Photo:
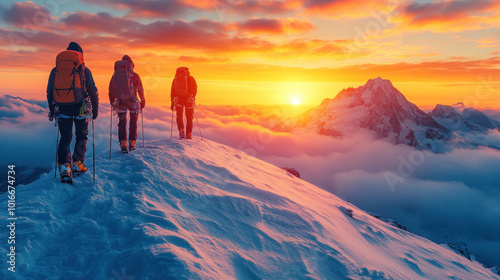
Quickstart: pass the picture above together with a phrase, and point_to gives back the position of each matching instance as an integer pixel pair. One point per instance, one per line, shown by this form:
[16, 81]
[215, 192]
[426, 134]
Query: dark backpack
[69, 79]
[181, 82]
[123, 80]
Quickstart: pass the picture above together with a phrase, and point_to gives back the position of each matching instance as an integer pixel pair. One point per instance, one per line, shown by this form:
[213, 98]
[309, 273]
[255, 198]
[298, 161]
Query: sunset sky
[262, 51]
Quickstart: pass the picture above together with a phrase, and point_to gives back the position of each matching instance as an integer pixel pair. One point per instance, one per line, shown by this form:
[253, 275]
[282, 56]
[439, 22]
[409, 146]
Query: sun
[295, 101]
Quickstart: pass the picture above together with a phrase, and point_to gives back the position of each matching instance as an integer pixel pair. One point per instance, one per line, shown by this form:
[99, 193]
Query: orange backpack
[69, 80]
[181, 81]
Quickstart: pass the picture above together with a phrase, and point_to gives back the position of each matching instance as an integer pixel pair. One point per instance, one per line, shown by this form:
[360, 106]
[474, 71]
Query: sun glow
[295, 101]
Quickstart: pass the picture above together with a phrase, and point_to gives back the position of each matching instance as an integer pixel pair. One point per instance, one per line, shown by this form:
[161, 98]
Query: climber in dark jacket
[131, 105]
[66, 115]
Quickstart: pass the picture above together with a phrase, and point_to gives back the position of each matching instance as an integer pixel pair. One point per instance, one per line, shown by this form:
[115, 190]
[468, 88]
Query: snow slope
[201, 210]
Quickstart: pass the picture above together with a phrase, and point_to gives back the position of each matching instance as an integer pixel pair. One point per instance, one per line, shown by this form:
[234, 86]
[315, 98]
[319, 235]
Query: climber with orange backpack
[182, 95]
[73, 98]
[126, 94]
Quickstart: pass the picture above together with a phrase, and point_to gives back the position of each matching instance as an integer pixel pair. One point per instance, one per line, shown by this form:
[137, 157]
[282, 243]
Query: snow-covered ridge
[201, 210]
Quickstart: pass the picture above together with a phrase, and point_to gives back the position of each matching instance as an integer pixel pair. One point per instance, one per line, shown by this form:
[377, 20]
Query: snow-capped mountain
[471, 127]
[378, 107]
[466, 120]
[382, 110]
[201, 210]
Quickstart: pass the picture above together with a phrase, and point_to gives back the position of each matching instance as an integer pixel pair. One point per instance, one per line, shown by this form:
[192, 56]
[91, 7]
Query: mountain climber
[73, 98]
[183, 94]
[126, 94]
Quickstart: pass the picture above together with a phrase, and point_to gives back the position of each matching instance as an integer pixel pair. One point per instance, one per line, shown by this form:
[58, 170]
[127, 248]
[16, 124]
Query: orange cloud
[215, 39]
[27, 14]
[274, 26]
[174, 8]
[346, 8]
[201, 4]
[196, 59]
[154, 9]
[223, 49]
[96, 23]
[247, 7]
[449, 16]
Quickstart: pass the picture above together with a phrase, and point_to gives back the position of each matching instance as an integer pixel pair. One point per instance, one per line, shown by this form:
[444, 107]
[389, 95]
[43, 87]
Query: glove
[143, 104]
[51, 112]
[115, 105]
[95, 113]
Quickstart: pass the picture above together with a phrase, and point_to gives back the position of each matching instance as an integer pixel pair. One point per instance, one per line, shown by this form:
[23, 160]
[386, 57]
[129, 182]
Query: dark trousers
[189, 118]
[81, 133]
[123, 107]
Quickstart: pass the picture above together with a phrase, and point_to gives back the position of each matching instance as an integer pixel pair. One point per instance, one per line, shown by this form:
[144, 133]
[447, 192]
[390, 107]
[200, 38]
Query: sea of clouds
[447, 197]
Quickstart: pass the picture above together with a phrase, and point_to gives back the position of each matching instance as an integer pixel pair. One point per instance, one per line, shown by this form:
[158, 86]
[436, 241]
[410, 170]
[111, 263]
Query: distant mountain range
[380, 108]
[467, 120]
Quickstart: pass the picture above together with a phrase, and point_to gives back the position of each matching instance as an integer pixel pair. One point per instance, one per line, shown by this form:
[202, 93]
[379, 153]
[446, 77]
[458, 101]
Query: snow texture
[201, 210]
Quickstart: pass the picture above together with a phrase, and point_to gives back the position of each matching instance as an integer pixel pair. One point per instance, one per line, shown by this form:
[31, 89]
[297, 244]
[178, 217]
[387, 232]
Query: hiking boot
[182, 135]
[65, 168]
[78, 167]
[189, 135]
[124, 146]
[131, 145]
[65, 173]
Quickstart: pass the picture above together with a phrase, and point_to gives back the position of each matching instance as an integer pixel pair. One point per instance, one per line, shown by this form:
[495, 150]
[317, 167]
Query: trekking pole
[172, 125]
[57, 151]
[110, 130]
[198, 125]
[93, 150]
[142, 117]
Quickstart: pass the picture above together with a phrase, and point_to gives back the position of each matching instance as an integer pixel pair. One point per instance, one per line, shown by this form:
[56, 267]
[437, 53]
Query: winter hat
[73, 46]
[127, 58]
